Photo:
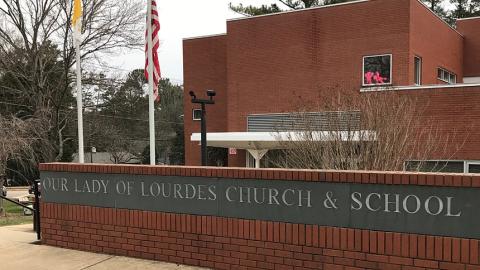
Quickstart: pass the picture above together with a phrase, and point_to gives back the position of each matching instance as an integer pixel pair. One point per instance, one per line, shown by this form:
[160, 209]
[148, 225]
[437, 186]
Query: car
[4, 191]
[31, 188]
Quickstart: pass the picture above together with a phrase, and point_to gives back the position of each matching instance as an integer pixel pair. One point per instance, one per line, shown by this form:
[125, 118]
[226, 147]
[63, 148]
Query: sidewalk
[17, 253]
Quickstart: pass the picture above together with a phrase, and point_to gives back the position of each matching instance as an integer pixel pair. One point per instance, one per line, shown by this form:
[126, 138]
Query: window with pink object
[377, 70]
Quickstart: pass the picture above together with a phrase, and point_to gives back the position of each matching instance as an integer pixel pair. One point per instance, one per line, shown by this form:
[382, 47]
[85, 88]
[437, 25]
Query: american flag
[155, 24]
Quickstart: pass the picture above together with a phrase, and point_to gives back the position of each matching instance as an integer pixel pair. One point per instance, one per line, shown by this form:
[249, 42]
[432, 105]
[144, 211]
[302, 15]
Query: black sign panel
[445, 211]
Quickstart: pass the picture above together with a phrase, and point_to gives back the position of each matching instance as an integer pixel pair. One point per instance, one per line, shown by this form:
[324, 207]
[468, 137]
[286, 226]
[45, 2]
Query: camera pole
[203, 119]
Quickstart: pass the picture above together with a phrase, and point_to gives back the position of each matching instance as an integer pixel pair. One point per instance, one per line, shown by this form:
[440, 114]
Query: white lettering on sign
[178, 191]
[124, 188]
[91, 186]
[270, 196]
[382, 203]
[410, 204]
[55, 184]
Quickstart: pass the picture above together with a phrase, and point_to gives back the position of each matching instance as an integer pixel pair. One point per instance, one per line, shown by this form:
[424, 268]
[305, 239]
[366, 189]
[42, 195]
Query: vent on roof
[338, 120]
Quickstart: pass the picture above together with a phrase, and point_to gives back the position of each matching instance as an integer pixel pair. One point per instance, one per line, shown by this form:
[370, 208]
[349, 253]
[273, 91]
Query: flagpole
[81, 157]
[151, 117]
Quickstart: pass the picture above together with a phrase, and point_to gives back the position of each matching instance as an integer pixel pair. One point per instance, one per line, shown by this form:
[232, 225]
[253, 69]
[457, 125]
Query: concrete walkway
[18, 252]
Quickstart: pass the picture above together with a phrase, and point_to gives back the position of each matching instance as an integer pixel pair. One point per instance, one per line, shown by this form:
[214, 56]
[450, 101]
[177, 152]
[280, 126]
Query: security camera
[211, 93]
[192, 94]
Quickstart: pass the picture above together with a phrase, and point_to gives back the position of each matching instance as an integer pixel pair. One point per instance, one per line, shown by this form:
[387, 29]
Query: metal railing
[35, 210]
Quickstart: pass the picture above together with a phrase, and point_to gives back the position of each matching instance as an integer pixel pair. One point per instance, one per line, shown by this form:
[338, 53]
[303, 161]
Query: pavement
[18, 251]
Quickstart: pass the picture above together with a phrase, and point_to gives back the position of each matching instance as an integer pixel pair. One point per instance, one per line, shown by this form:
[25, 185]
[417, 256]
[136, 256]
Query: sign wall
[445, 211]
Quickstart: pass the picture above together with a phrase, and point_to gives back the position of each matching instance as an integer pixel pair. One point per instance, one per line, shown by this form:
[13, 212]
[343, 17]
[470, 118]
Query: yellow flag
[77, 19]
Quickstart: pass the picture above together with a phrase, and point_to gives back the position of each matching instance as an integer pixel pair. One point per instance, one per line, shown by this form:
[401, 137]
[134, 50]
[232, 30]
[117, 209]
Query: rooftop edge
[469, 18]
[297, 10]
[205, 36]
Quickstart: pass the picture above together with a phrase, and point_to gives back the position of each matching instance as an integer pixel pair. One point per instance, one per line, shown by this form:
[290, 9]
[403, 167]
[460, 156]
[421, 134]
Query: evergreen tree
[465, 9]
[274, 8]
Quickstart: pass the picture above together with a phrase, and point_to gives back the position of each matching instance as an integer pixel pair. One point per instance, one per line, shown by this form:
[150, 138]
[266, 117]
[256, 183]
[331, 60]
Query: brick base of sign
[228, 243]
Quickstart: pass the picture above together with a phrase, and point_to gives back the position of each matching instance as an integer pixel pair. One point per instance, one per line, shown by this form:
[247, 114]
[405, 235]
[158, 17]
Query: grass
[14, 215]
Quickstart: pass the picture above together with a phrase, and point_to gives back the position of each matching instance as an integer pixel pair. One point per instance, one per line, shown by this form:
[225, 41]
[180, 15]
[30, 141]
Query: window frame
[446, 73]
[193, 115]
[363, 70]
[468, 163]
[419, 71]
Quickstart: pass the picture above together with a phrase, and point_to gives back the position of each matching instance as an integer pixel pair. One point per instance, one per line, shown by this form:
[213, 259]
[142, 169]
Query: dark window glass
[217, 157]
[474, 168]
[435, 166]
[377, 70]
[453, 78]
[418, 70]
[447, 76]
[197, 114]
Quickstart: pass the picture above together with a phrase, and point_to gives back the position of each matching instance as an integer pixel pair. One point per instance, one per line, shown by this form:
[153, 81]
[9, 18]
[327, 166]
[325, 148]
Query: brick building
[266, 66]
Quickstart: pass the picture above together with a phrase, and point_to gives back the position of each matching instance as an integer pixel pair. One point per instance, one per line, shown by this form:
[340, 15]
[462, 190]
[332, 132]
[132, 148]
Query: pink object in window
[368, 77]
[378, 78]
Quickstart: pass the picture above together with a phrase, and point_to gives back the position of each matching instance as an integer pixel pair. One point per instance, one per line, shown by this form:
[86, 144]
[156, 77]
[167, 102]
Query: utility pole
[203, 120]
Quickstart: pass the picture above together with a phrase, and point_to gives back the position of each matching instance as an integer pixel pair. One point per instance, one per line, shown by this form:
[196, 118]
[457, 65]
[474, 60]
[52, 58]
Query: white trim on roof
[469, 18]
[335, 5]
[321, 7]
[206, 36]
[297, 10]
[422, 87]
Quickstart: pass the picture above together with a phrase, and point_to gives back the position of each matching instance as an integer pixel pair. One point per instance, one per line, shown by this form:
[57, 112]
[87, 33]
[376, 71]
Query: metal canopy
[278, 140]
[258, 143]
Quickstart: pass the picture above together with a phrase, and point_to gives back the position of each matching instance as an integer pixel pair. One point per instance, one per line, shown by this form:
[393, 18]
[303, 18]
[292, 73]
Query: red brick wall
[471, 30]
[277, 63]
[436, 43]
[204, 68]
[229, 243]
[283, 63]
[455, 114]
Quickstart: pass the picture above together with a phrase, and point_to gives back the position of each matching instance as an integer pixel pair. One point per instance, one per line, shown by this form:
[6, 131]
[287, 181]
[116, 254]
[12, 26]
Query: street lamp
[203, 120]
[92, 150]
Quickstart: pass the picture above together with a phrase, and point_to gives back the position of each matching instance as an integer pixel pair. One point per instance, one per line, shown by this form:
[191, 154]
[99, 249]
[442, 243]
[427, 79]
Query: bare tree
[386, 132]
[23, 141]
[39, 31]
[121, 151]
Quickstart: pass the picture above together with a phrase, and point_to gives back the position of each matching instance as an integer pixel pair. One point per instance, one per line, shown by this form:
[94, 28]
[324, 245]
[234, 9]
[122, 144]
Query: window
[418, 70]
[435, 166]
[450, 166]
[446, 76]
[473, 167]
[377, 70]
[197, 114]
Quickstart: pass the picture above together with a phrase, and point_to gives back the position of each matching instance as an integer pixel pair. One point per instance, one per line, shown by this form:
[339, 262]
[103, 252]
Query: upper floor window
[418, 70]
[377, 70]
[446, 76]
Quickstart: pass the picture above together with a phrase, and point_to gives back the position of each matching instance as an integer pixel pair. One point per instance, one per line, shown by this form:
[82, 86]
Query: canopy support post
[257, 155]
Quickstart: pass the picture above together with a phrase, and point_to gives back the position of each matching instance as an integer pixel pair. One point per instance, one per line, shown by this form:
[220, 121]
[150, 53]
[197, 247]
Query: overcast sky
[181, 19]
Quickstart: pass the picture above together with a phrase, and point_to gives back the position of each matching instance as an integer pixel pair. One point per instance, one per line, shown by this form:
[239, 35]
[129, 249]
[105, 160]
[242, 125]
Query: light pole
[203, 120]
[92, 150]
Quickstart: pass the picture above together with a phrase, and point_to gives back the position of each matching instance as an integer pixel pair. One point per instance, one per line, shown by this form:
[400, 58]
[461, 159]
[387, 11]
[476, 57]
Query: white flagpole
[81, 156]
[151, 117]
